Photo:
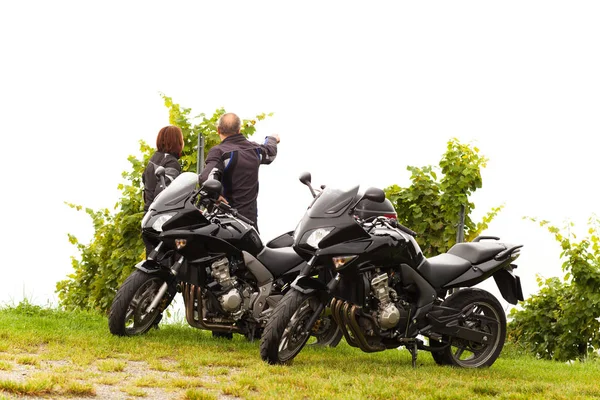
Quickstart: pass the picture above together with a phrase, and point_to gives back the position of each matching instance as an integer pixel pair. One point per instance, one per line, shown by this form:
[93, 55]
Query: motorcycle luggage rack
[480, 238]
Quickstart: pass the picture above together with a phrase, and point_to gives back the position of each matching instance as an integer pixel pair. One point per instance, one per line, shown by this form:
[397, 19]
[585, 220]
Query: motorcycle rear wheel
[463, 353]
[128, 316]
[284, 336]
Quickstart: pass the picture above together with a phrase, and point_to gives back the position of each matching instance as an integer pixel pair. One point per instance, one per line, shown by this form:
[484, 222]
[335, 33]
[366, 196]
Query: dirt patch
[136, 379]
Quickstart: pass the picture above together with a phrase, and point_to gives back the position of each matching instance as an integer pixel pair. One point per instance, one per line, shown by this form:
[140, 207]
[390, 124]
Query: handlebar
[228, 209]
[393, 223]
[223, 207]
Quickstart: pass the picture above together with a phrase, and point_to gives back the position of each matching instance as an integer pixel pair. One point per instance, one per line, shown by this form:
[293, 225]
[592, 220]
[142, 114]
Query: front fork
[163, 289]
[313, 319]
[305, 284]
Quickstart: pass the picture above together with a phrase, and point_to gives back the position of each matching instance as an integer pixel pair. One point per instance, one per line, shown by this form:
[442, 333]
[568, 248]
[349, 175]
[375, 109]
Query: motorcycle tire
[127, 315]
[466, 354]
[282, 338]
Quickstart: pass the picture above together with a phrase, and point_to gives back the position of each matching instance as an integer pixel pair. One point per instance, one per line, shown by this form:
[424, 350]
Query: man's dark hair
[229, 124]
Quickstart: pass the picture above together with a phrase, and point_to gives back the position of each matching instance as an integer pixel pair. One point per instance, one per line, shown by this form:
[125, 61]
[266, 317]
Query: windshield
[177, 191]
[332, 203]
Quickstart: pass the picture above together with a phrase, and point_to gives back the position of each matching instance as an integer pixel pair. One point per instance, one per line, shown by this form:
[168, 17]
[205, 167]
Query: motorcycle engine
[388, 315]
[230, 298]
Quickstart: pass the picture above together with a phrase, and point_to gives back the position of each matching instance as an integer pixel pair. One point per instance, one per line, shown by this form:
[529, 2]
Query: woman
[169, 144]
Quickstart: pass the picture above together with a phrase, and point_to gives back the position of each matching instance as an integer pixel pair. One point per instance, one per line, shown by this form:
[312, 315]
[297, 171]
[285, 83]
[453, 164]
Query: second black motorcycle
[380, 289]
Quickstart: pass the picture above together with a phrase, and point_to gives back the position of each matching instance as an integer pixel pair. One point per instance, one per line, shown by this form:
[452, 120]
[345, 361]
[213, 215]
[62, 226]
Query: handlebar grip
[246, 220]
[404, 229]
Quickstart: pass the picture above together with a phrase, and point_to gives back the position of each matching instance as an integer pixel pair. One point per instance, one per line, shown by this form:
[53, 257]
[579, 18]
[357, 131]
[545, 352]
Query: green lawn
[46, 353]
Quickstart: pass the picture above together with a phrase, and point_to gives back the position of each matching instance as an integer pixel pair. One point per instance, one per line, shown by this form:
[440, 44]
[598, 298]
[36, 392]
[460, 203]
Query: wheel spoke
[459, 352]
[129, 314]
[284, 341]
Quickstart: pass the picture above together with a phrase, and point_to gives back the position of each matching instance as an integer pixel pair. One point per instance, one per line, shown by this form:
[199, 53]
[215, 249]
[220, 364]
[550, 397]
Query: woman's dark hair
[170, 140]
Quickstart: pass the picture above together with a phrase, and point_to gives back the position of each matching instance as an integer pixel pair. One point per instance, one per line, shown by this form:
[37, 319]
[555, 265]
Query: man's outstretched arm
[268, 149]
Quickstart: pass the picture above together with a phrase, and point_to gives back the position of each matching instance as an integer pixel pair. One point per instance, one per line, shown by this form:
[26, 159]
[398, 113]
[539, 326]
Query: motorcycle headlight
[146, 218]
[316, 236]
[160, 221]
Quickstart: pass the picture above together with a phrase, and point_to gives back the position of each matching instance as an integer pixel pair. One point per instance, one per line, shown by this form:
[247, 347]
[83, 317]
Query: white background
[359, 90]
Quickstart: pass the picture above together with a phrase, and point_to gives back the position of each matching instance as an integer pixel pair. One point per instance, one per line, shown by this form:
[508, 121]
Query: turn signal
[180, 243]
[340, 261]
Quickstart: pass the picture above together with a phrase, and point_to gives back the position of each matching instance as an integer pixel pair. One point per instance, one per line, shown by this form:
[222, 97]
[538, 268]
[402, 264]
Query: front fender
[307, 284]
[149, 267]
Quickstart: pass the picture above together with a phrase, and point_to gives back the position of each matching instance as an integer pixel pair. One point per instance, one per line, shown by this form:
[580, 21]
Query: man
[235, 162]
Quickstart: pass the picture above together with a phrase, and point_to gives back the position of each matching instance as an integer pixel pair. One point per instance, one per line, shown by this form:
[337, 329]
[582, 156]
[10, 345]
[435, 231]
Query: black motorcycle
[230, 281]
[380, 289]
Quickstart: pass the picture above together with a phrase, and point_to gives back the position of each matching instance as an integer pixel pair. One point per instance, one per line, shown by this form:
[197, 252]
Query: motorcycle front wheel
[284, 335]
[128, 313]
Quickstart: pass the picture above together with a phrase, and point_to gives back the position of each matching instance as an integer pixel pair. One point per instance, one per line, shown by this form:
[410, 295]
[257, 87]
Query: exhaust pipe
[192, 295]
[345, 316]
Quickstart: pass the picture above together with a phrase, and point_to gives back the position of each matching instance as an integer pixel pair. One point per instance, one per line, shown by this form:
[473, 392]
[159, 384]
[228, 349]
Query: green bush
[562, 321]
[431, 206]
[116, 245]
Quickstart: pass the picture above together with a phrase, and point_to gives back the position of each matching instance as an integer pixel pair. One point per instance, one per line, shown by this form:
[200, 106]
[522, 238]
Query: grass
[198, 395]
[111, 366]
[28, 388]
[73, 355]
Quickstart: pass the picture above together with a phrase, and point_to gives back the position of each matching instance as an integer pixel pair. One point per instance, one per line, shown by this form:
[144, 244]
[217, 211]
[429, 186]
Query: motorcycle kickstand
[412, 347]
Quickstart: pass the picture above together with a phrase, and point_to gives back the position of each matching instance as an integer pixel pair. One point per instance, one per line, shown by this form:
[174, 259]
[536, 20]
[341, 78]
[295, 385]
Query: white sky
[359, 91]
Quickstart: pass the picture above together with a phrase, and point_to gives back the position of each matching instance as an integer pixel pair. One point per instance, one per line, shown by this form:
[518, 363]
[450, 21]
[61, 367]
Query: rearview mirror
[305, 178]
[212, 186]
[159, 171]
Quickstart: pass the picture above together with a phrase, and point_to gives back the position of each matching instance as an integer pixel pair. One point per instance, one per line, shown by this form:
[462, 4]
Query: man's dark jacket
[235, 162]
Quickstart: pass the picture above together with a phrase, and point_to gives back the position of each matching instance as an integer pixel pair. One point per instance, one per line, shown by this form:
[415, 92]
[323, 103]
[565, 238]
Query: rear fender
[509, 286]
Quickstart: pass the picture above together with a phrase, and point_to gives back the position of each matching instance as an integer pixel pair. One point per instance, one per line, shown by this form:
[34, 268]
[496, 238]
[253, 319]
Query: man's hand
[222, 199]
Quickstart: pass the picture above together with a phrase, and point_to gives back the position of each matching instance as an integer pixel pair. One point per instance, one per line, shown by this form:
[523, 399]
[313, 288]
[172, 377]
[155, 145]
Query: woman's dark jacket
[152, 186]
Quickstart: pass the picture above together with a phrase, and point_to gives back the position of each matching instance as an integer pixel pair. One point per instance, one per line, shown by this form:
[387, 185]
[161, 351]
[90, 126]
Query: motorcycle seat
[279, 261]
[443, 268]
[476, 253]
